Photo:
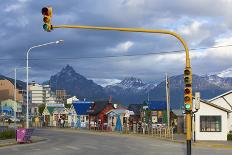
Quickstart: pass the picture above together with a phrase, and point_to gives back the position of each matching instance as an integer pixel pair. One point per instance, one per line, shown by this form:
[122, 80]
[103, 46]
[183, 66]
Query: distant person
[37, 122]
[9, 121]
[59, 123]
[62, 123]
[72, 124]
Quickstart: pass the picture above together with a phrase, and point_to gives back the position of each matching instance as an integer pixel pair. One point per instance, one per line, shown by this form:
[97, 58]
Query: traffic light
[188, 89]
[47, 16]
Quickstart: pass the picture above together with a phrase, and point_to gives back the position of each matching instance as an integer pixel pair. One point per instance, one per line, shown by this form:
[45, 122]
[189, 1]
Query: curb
[33, 140]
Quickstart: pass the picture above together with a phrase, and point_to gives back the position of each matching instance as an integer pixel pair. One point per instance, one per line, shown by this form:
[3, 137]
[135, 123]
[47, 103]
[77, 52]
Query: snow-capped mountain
[131, 84]
[106, 82]
[225, 73]
[134, 90]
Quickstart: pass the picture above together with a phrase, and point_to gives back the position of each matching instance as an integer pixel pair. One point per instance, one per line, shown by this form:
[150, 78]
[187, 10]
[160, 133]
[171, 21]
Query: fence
[160, 131]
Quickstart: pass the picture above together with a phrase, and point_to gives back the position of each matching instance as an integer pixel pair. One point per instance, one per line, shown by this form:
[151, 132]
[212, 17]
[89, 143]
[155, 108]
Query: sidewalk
[219, 144]
[178, 138]
[8, 142]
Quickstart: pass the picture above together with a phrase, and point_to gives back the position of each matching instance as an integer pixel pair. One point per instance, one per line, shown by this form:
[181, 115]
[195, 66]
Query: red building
[97, 115]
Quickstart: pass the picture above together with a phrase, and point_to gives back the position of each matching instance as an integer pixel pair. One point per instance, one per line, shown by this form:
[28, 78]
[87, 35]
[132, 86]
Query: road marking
[72, 147]
[36, 149]
[14, 149]
[57, 149]
[91, 147]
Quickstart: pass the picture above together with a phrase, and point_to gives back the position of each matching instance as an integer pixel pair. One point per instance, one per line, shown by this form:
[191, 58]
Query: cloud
[122, 47]
[199, 22]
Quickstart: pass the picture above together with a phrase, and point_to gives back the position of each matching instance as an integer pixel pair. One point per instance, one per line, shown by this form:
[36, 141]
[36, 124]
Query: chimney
[110, 100]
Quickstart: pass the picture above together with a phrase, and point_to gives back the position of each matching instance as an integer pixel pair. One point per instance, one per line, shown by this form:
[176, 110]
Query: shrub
[7, 134]
[229, 136]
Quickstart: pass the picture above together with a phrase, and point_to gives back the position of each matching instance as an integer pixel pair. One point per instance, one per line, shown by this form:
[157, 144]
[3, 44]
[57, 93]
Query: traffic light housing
[188, 89]
[47, 16]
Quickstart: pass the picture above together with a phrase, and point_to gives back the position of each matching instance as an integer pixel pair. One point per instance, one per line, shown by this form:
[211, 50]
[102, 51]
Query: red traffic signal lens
[186, 72]
[45, 11]
[187, 91]
[188, 85]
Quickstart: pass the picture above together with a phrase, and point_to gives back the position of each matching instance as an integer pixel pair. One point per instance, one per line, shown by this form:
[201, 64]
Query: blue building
[155, 112]
[81, 108]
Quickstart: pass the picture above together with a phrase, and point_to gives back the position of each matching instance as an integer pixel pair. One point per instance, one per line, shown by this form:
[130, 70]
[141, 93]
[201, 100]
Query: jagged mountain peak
[132, 82]
[75, 84]
[67, 69]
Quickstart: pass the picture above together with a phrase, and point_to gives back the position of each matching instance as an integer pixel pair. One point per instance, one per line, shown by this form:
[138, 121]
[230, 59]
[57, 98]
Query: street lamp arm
[27, 67]
[53, 42]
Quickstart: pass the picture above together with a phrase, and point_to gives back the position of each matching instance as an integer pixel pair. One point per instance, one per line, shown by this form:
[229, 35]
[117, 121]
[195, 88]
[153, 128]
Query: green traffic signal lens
[186, 79]
[187, 106]
[46, 27]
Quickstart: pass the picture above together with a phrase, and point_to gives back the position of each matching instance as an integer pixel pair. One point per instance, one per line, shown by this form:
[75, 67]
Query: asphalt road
[75, 143]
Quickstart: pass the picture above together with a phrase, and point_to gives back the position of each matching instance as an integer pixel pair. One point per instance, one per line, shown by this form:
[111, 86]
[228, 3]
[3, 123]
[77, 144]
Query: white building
[211, 122]
[225, 101]
[72, 99]
[40, 94]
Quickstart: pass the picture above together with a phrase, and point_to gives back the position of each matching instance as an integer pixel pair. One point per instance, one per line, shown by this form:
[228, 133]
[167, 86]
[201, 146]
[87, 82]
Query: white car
[12, 119]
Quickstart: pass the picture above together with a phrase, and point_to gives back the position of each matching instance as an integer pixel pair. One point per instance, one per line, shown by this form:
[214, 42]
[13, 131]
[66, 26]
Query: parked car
[12, 119]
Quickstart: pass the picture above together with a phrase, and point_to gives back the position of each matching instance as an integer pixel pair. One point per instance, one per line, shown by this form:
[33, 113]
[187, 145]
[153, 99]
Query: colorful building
[81, 109]
[98, 114]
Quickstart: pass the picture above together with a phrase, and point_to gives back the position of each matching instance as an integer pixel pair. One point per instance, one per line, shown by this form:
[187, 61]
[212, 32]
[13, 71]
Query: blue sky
[201, 23]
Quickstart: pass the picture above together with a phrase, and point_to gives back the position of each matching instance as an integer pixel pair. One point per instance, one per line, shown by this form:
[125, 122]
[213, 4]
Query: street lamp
[49, 43]
[15, 80]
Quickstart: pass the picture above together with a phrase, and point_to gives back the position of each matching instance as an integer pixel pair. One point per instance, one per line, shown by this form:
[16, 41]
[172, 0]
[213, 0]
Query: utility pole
[168, 99]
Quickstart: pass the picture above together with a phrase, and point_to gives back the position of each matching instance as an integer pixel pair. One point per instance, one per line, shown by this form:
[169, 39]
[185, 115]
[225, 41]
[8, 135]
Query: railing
[159, 131]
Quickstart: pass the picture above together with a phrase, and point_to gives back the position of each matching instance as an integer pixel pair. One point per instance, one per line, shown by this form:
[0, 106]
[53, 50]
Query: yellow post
[188, 113]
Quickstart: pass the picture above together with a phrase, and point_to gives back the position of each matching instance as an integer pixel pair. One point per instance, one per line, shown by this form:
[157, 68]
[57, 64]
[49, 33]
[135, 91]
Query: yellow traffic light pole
[133, 30]
[188, 113]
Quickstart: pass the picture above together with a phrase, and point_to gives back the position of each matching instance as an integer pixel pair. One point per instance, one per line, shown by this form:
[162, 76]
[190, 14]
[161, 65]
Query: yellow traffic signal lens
[46, 20]
[187, 99]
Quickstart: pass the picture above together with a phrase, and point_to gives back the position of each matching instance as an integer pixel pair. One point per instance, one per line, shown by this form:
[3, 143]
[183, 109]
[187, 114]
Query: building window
[210, 123]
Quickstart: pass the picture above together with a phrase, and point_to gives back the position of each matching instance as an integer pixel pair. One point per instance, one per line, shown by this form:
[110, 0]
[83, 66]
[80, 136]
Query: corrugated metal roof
[81, 108]
[156, 105]
[136, 108]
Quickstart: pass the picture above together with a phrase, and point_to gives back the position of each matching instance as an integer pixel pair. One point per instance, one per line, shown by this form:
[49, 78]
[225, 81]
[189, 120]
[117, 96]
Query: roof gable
[136, 108]
[98, 106]
[215, 106]
[82, 108]
[226, 93]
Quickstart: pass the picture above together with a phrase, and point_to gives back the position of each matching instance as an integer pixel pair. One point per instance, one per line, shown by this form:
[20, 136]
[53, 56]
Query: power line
[117, 56]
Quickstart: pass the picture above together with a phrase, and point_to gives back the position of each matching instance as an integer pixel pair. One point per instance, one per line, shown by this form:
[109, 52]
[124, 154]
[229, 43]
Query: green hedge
[7, 134]
[229, 136]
